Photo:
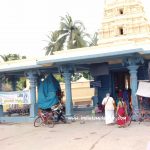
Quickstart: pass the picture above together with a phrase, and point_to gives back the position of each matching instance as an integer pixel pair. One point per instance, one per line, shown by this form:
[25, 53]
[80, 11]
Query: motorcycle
[58, 113]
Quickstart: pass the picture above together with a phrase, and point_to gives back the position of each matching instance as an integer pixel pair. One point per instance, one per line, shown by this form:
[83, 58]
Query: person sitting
[99, 109]
[122, 116]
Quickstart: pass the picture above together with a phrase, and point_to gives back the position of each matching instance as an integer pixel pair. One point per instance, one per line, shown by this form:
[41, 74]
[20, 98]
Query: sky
[25, 24]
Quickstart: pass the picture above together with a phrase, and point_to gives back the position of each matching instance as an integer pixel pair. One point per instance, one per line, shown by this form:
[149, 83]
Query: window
[120, 11]
[121, 31]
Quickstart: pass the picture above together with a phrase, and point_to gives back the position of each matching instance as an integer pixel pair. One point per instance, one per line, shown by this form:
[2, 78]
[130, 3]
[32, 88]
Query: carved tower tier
[124, 22]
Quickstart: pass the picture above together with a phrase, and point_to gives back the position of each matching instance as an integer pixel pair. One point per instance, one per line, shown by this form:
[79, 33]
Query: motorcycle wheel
[63, 119]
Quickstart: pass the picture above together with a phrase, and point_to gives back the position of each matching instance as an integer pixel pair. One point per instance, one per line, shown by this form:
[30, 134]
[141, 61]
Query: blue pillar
[32, 79]
[67, 77]
[1, 110]
[133, 85]
[132, 64]
[1, 106]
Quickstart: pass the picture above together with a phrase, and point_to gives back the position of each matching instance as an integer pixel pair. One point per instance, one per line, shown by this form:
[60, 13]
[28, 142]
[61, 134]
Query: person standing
[122, 116]
[109, 103]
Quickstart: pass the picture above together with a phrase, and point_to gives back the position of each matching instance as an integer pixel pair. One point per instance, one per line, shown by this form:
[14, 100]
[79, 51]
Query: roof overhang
[18, 65]
[89, 54]
[76, 56]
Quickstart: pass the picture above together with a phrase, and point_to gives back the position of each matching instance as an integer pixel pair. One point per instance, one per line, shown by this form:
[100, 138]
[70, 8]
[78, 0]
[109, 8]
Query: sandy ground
[92, 135]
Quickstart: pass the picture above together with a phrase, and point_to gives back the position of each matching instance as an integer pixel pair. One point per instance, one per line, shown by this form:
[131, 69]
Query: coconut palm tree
[94, 40]
[72, 32]
[54, 44]
[70, 35]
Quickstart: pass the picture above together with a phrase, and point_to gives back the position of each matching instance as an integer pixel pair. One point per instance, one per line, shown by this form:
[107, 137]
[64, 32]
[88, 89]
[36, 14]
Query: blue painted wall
[143, 73]
[105, 86]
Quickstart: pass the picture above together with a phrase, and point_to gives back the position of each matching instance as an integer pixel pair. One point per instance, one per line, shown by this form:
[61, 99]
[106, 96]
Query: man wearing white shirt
[109, 109]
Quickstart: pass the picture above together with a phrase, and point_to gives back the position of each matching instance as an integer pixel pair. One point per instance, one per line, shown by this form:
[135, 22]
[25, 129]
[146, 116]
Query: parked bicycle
[52, 117]
[141, 115]
[44, 119]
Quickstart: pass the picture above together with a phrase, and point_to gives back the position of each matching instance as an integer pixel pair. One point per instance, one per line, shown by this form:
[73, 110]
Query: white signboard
[16, 97]
[143, 89]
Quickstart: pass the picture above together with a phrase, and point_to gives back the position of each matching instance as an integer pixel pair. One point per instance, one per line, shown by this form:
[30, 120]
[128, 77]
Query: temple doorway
[121, 80]
[121, 86]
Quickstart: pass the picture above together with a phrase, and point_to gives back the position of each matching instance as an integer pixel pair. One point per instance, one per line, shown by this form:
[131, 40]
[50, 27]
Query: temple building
[117, 64]
[124, 22]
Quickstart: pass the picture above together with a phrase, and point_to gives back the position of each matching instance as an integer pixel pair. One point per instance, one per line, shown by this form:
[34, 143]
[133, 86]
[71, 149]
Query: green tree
[55, 44]
[8, 79]
[59, 78]
[73, 32]
[94, 40]
[11, 57]
[71, 35]
[21, 83]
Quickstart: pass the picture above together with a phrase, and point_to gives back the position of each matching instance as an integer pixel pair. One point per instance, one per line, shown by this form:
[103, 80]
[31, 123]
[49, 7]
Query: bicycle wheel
[50, 123]
[38, 122]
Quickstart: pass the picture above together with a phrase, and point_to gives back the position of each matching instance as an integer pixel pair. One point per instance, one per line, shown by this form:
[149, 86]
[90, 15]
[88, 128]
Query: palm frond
[70, 35]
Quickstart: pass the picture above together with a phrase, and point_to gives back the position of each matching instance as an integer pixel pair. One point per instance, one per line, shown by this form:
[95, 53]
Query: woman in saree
[122, 116]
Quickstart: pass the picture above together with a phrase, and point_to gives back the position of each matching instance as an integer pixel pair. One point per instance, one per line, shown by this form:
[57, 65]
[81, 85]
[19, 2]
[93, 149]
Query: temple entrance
[121, 80]
[121, 86]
